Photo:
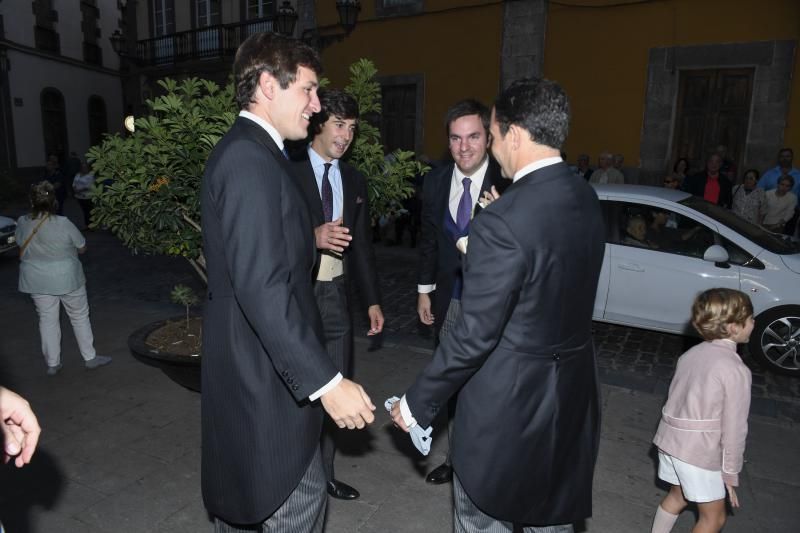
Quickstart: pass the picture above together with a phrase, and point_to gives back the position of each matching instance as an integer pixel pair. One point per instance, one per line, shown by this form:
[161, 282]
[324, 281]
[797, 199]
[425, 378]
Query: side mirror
[716, 254]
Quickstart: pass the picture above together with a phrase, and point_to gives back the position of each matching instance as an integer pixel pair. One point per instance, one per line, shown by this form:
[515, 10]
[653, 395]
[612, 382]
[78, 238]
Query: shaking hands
[348, 405]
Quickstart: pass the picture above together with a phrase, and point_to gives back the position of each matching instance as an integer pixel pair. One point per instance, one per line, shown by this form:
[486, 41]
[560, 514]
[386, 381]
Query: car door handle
[633, 267]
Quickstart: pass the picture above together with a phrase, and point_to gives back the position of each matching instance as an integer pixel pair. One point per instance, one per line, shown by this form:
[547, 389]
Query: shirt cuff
[328, 387]
[405, 412]
[425, 289]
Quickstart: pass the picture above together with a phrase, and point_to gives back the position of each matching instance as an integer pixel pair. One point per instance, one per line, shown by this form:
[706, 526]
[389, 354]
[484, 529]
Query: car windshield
[775, 243]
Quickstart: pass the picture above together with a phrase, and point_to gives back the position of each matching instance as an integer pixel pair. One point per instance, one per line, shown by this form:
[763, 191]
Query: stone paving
[629, 357]
[120, 449]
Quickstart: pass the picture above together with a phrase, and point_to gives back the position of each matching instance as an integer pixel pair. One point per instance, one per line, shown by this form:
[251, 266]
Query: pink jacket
[704, 422]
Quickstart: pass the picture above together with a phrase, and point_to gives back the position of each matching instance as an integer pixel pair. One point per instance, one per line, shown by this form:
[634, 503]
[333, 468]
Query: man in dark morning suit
[527, 421]
[337, 196]
[264, 361]
[443, 195]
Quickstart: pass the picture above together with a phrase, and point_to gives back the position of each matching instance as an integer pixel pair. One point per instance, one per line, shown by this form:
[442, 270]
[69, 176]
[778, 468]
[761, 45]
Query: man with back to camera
[264, 361]
[520, 355]
[337, 196]
[447, 207]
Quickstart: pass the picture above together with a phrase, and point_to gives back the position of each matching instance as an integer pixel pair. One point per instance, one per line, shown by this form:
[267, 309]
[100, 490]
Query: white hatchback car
[650, 278]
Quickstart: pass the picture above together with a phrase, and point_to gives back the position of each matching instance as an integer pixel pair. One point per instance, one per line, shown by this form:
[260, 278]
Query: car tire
[775, 341]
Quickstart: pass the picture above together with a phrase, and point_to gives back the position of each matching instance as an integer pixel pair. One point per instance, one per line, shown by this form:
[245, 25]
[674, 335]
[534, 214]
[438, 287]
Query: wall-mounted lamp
[348, 17]
[285, 19]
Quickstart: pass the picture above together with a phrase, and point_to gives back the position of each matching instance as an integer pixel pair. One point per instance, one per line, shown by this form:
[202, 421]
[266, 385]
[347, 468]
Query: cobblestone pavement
[629, 357]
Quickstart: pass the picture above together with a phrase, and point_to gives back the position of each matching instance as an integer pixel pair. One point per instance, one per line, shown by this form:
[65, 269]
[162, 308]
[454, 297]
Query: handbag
[28, 240]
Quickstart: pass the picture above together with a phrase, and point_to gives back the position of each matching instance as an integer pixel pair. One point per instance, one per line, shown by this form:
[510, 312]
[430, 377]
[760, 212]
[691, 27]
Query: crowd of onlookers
[769, 199]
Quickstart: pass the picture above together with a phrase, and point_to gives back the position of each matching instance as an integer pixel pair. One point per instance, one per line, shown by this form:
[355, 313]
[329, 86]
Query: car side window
[659, 229]
[738, 256]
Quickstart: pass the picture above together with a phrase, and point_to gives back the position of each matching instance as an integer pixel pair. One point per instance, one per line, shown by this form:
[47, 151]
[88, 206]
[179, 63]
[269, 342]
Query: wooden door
[713, 109]
[399, 120]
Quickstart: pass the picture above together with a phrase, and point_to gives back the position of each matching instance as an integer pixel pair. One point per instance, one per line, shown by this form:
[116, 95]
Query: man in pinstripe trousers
[264, 359]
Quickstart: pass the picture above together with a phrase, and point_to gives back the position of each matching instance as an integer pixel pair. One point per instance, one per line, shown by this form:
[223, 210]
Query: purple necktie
[464, 206]
[327, 195]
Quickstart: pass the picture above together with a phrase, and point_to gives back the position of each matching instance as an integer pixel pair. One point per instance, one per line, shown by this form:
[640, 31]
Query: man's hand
[348, 405]
[489, 196]
[732, 496]
[332, 236]
[375, 320]
[424, 308]
[20, 428]
[397, 417]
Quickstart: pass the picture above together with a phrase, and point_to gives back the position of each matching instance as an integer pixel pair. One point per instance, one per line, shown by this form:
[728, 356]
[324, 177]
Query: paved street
[120, 449]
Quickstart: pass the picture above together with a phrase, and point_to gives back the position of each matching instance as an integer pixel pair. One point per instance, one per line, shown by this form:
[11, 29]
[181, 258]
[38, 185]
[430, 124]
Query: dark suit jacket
[439, 260]
[359, 257]
[696, 185]
[527, 419]
[262, 349]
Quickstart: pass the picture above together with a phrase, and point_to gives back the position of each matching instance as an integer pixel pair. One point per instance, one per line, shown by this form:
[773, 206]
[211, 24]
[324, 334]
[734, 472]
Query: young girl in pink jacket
[701, 436]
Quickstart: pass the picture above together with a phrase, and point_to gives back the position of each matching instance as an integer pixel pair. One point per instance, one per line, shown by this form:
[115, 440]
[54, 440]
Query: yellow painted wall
[599, 54]
[455, 44]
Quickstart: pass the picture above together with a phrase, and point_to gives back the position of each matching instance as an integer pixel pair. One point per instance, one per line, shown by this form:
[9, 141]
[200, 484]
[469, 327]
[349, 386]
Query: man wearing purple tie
[450, 194]
[520, 355]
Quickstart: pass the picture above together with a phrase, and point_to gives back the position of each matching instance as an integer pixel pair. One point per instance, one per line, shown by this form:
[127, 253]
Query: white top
[82, 185]
[779, 208]
[50, 264]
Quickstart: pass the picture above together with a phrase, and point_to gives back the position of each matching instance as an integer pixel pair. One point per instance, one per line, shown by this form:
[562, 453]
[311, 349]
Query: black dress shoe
[441, 474]
[342, 491]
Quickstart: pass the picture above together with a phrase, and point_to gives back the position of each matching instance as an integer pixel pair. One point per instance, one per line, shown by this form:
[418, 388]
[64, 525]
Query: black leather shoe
[342, 491]
[441, 474]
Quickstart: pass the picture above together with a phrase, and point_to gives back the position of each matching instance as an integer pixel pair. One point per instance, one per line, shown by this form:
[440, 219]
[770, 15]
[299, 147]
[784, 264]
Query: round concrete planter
[182, 369]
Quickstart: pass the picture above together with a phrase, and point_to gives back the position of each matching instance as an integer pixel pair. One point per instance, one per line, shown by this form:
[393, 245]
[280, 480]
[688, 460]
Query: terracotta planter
[182, 369]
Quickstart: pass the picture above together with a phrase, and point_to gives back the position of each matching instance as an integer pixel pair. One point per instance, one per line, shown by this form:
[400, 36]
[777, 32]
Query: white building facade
[60, 88]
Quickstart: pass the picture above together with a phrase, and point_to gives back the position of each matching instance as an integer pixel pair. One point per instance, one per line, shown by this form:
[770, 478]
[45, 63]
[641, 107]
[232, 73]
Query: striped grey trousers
[469, 519]
[302, 512]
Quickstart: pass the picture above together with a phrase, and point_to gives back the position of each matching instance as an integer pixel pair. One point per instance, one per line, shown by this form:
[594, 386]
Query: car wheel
[775, 341]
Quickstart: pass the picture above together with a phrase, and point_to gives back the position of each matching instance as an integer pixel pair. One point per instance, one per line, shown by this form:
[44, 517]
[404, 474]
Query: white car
[649, 279]
[7, 229]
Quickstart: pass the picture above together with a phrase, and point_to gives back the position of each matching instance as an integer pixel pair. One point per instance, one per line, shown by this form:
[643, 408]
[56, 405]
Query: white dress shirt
[456, 190]
[334, 177]
[279, 141]
[536, 165]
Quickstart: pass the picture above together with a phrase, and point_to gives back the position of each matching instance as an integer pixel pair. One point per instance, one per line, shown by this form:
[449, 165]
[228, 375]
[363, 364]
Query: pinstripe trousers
[302, 512]
[331, 299]
[469, 519]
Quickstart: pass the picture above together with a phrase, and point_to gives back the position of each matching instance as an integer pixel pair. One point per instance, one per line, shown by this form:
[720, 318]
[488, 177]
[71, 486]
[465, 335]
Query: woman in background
[52, 274]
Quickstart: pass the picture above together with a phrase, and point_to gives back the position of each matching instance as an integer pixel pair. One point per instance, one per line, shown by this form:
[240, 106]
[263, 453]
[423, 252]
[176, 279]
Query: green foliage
[184, 295]
[149, 181]
[388, 175]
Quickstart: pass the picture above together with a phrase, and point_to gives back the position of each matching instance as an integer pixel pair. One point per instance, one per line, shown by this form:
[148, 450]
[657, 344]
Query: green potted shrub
[148, 181]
